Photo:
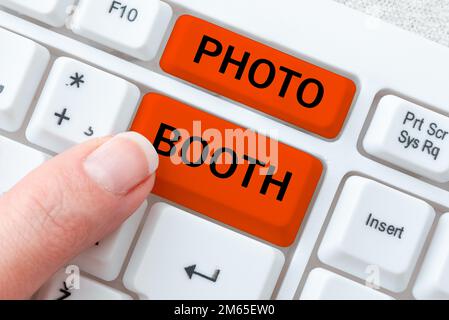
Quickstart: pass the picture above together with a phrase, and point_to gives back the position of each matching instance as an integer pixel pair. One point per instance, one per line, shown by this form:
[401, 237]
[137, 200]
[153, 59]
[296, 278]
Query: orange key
[230, 174]
[259, 76]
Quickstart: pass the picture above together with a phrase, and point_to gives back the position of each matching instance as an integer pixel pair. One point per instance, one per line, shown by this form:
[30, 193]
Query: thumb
[68, 204]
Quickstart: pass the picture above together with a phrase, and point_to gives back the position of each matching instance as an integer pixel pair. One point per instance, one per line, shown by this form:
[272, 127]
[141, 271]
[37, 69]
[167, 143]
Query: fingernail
[122, 163]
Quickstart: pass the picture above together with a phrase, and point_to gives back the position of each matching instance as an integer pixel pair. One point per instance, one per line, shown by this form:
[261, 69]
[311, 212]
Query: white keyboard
[357, 204]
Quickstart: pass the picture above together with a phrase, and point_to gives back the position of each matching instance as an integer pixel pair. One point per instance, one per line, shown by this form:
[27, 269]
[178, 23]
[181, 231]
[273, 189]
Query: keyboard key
[71, 286]
[433, 278]
[134, 27]
[16, 161]
[411, 137]
[325, 285]
[80, 102]
[233, 178]
[261, 77]
[105, 259]
[22, 66]
[180, 256]
[52, 12]
[376, 228]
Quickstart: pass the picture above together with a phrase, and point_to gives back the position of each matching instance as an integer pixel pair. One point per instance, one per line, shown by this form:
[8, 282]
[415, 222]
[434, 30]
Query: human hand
[67, 205]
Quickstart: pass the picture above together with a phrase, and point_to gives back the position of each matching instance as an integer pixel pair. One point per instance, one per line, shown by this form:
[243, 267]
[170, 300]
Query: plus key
[62, 116]
[96, 104]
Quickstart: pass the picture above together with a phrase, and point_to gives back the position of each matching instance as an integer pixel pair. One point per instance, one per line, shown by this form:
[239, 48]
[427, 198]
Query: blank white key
[16, 161]
[325, 285]
[181, 256]
[134, 27]
[433, 278]
[105, 259]
[411, 137]
[22, 66]
[69, 285]
[52, 12]
[376, 232]
[80, 102]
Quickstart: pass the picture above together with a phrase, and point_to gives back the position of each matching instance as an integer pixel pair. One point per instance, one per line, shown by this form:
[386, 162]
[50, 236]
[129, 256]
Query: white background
[429, 18]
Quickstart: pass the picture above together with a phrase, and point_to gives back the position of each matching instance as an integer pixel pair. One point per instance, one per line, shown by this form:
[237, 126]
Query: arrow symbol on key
[191, 271]
[2, 87]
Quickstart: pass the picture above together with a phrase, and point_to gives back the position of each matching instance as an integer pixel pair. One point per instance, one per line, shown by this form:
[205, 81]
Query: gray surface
[429, 18]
